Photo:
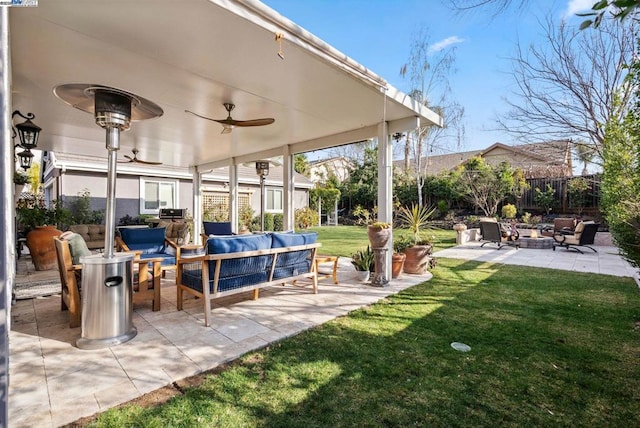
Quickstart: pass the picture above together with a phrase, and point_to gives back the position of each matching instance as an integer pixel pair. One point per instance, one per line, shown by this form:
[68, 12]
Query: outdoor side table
[327, 259]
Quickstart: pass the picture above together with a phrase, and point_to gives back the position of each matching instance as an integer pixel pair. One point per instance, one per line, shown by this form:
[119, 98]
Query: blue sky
[378, 34]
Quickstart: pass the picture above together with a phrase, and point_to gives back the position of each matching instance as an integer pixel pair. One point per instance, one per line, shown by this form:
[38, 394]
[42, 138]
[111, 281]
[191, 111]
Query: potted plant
[363, 261]
[40, 223]
[416, 219]
[19, 179]
[379, 234]
[400, 244]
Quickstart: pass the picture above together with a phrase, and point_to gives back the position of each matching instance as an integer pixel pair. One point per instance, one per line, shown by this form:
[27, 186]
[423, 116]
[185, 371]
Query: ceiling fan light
[226, 128]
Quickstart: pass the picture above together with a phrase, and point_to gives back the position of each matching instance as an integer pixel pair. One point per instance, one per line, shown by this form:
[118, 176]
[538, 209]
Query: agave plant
[363, 260]
[416, 219]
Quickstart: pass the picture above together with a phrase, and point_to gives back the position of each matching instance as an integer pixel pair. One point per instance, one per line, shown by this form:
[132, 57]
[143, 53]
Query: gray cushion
[77, 246]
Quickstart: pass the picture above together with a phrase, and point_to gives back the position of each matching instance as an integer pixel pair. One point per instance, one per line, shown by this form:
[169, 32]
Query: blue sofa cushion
[147, 240]
[167, 259]
[234, 244]
[295, 258]
[217, 228]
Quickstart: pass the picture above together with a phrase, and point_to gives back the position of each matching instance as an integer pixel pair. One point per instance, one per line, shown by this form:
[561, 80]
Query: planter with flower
[379, 234]
[363, 261]
[418, 253]
[40, 223]
[20, 179]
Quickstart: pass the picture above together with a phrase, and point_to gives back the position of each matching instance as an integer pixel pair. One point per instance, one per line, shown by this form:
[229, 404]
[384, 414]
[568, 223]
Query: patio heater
[262, 169]
[107, 279]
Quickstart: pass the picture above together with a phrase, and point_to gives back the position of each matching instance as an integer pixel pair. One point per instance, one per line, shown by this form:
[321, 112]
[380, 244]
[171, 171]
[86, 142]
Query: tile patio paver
[54, 383]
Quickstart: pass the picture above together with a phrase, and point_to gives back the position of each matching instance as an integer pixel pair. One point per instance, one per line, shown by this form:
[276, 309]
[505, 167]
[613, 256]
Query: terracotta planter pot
[397, 264]
[417, 259]
[379, 238]
[42, 248]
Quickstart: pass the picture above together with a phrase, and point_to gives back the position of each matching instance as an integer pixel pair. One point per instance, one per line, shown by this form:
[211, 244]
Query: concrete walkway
[53, 383]
[606, 261]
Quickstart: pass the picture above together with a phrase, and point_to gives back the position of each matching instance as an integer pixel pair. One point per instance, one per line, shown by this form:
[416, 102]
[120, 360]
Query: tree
[566, 85]
[577, 189]
[584, 153]
[428, 70]
[361, 187]
[486, 186]
[300, 164]
[618, 9]
[621, 178]
[546, 199]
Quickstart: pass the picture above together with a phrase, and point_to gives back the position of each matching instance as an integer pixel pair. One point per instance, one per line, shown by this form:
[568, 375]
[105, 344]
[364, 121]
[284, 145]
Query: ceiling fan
[135, 159]
[229, 123]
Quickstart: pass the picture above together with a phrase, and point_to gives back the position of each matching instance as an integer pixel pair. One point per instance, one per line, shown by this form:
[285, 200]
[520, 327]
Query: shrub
[443, 207]
[245, 217]
[268, 221]
[509, 211]
[526, 218]
[278, 222]
[306, 217]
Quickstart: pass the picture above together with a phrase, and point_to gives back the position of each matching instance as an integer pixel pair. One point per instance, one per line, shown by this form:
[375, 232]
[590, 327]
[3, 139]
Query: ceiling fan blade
[200, 116]
[255, 122]
[130, 158]
[148, 162]
[229, 122]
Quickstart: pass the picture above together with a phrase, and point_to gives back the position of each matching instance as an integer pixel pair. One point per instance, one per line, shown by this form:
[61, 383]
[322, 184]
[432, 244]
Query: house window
[274, 200]
[156, 194]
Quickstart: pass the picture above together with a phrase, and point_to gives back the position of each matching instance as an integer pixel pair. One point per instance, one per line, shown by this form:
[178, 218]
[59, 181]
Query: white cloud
[575, 6]
[445, 43]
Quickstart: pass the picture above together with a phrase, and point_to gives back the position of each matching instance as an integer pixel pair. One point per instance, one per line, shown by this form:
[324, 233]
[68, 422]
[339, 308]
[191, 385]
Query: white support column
[385, 185]
[197, 205]
[233, 196]
[288, 188]
[7, 213]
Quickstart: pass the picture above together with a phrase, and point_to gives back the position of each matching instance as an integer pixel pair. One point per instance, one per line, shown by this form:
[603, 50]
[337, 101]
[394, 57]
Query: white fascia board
[421, 110]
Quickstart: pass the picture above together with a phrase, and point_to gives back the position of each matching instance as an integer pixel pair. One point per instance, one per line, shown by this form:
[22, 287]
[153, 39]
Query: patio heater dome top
[120, 106]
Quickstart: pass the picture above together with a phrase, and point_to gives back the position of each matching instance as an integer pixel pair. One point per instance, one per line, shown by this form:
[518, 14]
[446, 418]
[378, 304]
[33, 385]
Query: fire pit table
[541, 242]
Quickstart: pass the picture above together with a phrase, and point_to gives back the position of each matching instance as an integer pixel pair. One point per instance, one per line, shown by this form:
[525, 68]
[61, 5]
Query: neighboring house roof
[546, 159]
[339, 166]
[246, 174]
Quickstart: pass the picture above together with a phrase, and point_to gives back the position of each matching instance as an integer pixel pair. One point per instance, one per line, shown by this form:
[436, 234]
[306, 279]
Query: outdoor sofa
[93, 234]
[240, 263]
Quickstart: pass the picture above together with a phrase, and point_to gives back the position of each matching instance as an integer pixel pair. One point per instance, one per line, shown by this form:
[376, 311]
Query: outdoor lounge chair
[583, 236]
[560, 224]
[149, 243]
[492, 233]
[215, 228]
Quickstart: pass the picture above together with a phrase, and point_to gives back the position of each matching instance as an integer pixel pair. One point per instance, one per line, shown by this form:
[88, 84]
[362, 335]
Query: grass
[346, 240]
[548, 348]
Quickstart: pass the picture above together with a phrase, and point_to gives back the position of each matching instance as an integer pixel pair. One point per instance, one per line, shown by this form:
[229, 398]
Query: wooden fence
[564, 204]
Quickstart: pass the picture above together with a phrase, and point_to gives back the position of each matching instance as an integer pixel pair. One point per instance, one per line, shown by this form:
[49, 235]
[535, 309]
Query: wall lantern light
[27, 131]
[25, 159]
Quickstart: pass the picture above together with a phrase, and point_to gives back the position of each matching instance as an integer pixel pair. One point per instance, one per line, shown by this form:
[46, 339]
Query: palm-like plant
[416, 219]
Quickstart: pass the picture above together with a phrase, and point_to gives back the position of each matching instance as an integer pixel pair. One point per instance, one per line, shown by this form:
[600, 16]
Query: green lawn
[548, 348]
[346, 240]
